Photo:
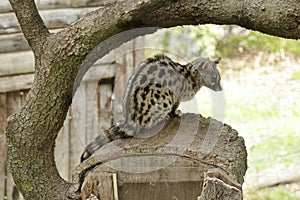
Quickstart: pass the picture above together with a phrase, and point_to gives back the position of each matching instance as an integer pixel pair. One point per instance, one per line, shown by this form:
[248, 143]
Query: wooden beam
[15, 83]
[2, 161]
[16, 42]
[13, 42]
[54, 4]
[99, 71]
[23, 62]
[16, 63]
[54, 19]
[15, 80]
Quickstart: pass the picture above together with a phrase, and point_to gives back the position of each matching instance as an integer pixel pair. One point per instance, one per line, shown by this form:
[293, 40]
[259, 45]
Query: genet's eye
[214, 79]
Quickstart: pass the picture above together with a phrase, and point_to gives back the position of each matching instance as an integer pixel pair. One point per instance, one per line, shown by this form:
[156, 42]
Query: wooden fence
[92, 108]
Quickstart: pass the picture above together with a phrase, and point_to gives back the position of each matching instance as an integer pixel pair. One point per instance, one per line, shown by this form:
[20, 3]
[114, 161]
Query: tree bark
[61, 57]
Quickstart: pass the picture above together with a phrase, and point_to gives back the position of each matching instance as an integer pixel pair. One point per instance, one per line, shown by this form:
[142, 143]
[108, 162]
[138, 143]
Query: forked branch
[31, 22]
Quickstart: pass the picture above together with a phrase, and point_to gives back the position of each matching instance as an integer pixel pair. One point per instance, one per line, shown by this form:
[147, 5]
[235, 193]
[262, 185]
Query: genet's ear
[205, 66]
[217, 60]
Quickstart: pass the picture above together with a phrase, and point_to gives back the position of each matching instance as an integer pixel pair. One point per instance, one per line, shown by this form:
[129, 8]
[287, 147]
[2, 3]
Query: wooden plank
[13, 103]
[104, 104]
[76, 145]
[99, 71]
[139, 51]
[9, 103]
[16, 63]
[160, 168]
[15, 83]
[15, 42]
[23, 94]
[2, 165]
[23, 63]
[3, 117]
[125, 57]
[77, 136]
[129, 56]
[53, 19]
[54, 4]
[108, 58]
[118, 92]
[3, 114]
[78, 111]
[91, 115]
[10, 108]
[62, 149]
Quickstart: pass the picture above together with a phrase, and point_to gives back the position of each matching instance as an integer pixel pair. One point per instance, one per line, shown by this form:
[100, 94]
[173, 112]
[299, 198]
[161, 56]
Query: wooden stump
[185, 160]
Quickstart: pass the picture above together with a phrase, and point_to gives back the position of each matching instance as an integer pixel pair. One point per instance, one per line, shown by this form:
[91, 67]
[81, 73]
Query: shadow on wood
[188, 154]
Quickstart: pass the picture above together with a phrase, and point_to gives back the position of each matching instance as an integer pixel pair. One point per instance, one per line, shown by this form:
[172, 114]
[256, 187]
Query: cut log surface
[171, 163]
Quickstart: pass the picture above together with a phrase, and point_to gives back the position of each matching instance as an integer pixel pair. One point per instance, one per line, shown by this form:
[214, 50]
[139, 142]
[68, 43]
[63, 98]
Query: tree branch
[31, 22]
[272, 17]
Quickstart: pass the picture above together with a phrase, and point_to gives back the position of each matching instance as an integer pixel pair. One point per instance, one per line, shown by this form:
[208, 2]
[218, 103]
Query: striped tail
[109, 135]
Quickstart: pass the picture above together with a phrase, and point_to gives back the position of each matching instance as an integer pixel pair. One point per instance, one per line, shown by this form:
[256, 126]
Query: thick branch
[272, 17]
[30, 21]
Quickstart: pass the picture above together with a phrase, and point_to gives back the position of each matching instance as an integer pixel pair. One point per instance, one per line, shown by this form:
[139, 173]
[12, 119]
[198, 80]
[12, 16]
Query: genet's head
[207, 69]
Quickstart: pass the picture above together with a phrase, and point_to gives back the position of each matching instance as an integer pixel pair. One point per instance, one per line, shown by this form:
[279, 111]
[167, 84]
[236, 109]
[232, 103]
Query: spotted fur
[155, 90]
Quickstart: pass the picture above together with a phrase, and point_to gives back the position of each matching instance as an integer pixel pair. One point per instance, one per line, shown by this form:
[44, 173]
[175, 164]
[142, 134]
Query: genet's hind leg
[175, 112]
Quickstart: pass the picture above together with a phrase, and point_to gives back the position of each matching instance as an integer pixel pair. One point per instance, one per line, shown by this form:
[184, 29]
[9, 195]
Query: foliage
[254, 41]
[296, 76]
[226, 41]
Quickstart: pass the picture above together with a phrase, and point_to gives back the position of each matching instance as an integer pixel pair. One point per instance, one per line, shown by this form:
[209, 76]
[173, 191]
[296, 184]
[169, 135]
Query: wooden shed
[91, 110]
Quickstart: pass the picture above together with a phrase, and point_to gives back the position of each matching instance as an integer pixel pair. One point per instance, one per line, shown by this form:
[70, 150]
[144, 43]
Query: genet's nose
[218, 88]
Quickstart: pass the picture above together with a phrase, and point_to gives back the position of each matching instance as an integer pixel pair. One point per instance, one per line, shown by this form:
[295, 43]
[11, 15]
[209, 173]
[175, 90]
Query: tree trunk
[61, 59]
[189, 153]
